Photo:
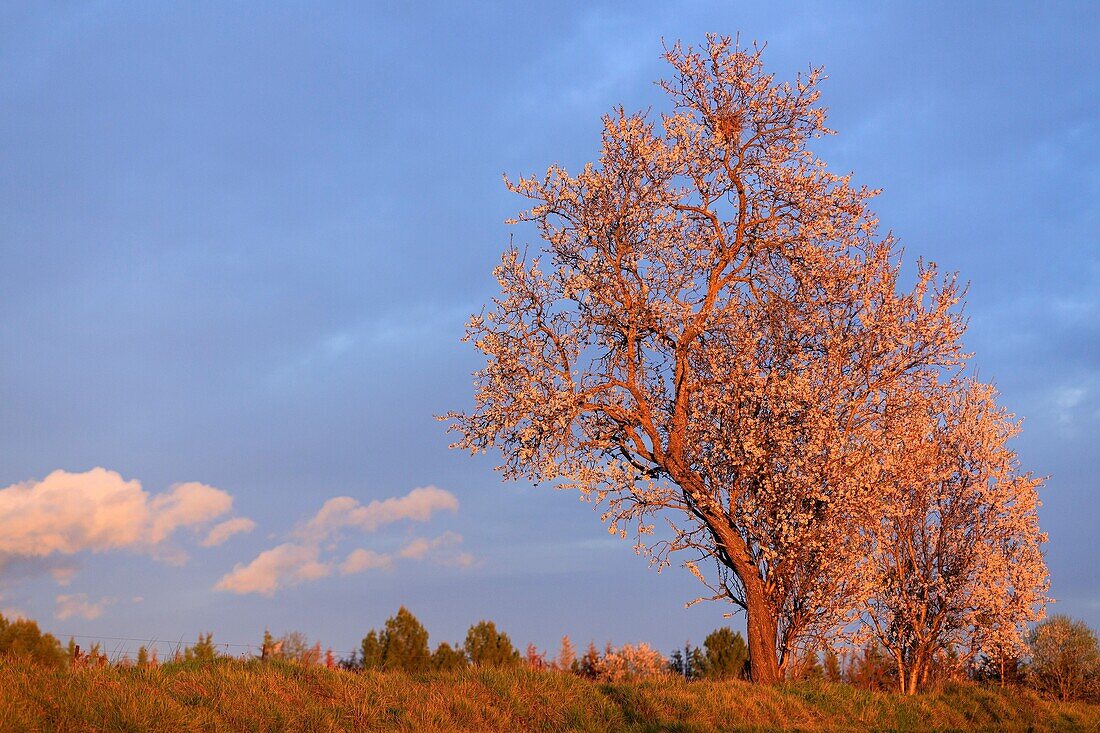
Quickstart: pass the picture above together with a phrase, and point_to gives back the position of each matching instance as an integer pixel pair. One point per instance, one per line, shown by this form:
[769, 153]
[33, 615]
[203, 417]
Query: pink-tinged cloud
[303, 559]
[280, 567]
[219, 533]
[98, 511]
[77, 605]
[361, 560]
[441, 550]
[186, 505]
[345, 512]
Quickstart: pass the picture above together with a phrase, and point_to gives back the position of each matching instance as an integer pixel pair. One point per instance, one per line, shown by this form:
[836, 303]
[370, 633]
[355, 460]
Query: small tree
[22, 639]
[567, 655]
[630, 661]
[447, 658]
[1065, 660]
[589, 663]
[203, 651]
[293, 645]
[142, 657]
[954, 546]
[487, 647]
[370, 651]
[808, 666]
[872, 668]
[534, 658]
[267, 646]
[405, 643]
[831, 666]
[727, 654]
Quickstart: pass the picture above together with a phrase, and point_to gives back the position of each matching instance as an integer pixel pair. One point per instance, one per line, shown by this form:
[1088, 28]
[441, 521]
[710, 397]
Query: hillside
[254, 696]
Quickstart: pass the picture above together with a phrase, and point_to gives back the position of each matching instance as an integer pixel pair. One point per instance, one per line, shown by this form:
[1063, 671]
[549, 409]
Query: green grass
[254, 696]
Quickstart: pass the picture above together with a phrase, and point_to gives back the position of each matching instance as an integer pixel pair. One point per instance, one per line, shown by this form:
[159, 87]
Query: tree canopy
[487, 647]
[21, 639]
[402, 644]
[715, 346]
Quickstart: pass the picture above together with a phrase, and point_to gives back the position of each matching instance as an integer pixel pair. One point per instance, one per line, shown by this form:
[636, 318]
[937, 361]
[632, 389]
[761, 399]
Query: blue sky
[238, 245]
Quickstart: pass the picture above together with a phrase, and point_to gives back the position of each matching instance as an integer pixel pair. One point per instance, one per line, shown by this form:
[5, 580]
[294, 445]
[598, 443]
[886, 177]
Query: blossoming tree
[954, 547]
[708, 343]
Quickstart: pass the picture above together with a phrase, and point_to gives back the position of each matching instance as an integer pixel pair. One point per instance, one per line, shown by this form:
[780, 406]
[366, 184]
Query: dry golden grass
[254, 696]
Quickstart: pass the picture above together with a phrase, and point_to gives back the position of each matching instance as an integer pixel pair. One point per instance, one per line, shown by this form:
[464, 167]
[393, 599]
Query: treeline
[1063, 660]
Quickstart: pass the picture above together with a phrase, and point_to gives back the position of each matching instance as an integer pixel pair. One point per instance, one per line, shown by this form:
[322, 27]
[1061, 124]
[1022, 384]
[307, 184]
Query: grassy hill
[254, 696]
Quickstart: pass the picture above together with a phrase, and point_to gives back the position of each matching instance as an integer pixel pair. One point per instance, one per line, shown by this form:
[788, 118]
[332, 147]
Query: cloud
[440, 550]
[77, 605]
[360, 560]
[345, 512]
[302, 560]
[186, 505]
[282, 566]
[219, 533]
[98, 511]
[63, 574]
[12, 612]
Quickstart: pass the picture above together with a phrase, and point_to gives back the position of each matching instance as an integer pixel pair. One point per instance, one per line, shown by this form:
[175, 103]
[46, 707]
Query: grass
[253, 696]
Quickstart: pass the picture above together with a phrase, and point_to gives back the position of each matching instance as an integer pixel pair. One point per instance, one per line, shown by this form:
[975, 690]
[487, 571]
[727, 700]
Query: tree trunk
[762, 631]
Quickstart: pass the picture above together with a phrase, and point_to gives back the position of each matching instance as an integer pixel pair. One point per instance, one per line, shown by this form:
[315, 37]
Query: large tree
[710, 336]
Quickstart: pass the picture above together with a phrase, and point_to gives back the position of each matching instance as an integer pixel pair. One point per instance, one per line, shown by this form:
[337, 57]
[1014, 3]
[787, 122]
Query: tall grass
[255, 696]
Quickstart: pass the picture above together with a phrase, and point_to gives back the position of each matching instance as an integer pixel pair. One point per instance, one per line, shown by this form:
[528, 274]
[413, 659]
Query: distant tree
[714, 337]
[203, 651]
[676, 663]
[22, 640]
[630, 661]
[143, 657]
[807, 666]
[567, 655]
[1006, 669]
[487, 647]
[534, 658]
[589, 663]
[690, 662]
[267, 647]
[1065, 659]
[371, 651]
[447, 658]
[872, 668]
[727, 655]
[697, 663]
[405, 643]
[831, 666]
[293, 645]
[312, 655]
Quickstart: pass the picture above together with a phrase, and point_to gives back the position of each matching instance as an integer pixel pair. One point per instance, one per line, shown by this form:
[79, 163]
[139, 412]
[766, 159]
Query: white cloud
[345, 512]
[77, 605]
[98, 511]
[360, 560]
[441, 550]
[281, 566]
[219, 533]
[301, 560]
[186, 505]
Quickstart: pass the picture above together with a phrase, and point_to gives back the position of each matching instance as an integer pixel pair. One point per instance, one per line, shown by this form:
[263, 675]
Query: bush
[1065, 660]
